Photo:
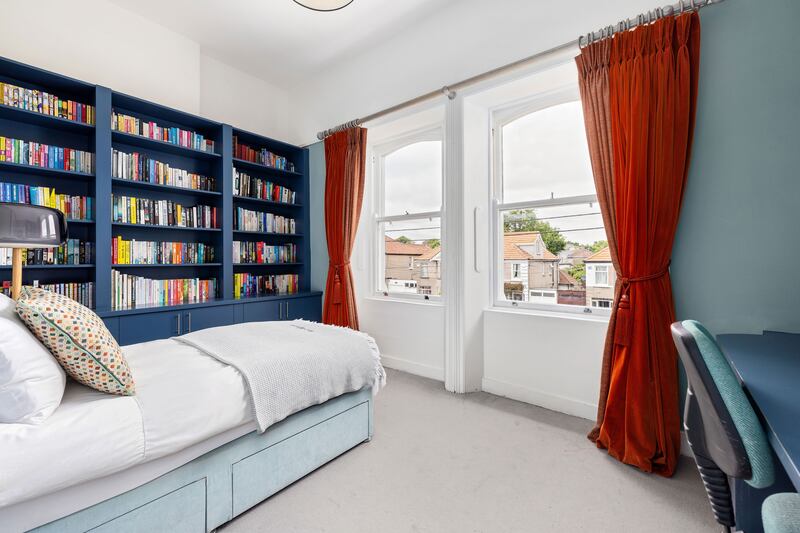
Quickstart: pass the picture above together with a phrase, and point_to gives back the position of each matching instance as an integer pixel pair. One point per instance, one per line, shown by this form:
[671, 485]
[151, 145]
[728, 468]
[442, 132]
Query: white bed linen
[91, 434]
[183, 397]
[32, 513]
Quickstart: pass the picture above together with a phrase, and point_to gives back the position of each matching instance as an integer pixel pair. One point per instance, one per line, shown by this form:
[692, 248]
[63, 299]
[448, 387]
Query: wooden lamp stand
[16, 272]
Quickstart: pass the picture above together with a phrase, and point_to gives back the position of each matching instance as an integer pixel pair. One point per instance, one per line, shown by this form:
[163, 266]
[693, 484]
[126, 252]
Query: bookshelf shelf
[47, 121]
[165, 228]
[8, 166]
[259, 201]
[158, 321]
[179, 265]
[53, 267]
[162, 146]
[158, 187]
[268, 233]
[266, 264]
[258, 167]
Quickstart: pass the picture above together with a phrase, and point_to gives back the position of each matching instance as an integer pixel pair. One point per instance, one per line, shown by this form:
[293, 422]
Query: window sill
[581, 317]
[412, 301]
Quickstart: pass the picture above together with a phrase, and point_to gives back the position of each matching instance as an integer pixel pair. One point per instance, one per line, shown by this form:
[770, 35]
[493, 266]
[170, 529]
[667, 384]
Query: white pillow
[31, 380]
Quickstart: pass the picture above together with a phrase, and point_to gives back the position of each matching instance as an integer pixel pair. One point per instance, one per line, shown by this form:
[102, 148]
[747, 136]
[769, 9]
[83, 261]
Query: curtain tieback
[624, 322]
[337, 281]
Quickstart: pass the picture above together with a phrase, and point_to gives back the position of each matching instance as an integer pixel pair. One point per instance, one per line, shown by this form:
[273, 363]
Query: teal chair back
[723, 430]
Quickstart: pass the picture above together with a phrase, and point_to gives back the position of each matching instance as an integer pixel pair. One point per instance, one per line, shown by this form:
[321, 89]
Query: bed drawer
[181, 511]
[264, 473]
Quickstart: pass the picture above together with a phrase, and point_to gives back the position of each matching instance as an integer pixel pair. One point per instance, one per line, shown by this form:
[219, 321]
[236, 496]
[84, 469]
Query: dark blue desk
[768, 366]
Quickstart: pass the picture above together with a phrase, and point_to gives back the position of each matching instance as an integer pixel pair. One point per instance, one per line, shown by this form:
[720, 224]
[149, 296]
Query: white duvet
[186, 393]
[182, 397]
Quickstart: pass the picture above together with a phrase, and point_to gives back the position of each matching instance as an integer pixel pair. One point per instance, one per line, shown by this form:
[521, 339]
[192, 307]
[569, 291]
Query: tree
[403, 239]
[596, 246]
[433, 243]
[578, 272]
[525, 220]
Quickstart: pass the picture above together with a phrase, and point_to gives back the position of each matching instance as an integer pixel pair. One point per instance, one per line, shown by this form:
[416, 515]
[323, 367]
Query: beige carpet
[443, 463]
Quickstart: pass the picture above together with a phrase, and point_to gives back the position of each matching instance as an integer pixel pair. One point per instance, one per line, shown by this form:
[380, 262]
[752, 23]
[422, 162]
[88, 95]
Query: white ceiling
[278, 40]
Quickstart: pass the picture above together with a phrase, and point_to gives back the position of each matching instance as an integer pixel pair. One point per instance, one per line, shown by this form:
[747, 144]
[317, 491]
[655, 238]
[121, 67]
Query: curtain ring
[694, 8]
[681, 4]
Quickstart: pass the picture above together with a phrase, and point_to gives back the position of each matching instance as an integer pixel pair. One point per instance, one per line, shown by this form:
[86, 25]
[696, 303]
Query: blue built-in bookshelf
[189, 161]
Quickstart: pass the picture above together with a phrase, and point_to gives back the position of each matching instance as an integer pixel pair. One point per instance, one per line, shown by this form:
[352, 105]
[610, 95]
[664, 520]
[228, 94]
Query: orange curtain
[639, 93]
[345, 154]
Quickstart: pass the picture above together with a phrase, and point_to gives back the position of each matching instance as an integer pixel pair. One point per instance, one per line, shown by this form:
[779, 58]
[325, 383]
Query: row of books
[83, 293]
[45, 155]
[132, 210]
[263, 253]
[72, 252]
[253, 187]
[151, 130]
[247, 220]
[73, 207]
[133, 252]
[140, 167]
[261, 156]
[46, 103]
[246, 285]
[128, 291]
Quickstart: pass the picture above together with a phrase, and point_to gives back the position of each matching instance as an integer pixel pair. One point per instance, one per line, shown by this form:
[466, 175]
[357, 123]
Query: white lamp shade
[324, 5]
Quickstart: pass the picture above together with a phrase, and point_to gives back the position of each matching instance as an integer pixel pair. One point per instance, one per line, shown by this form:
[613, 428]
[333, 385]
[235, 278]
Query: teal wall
[319, 245]
[737, 251]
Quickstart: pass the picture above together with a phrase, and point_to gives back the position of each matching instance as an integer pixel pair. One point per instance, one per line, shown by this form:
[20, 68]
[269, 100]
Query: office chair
[725, 434]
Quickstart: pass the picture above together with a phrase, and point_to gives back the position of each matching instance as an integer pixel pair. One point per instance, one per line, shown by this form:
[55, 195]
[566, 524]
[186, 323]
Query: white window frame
[516, 270]
[500, 117]
[379, 154]
[596, 302]
[605, 271]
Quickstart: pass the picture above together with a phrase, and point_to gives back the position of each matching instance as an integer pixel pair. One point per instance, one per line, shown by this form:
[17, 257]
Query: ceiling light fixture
[324, 5]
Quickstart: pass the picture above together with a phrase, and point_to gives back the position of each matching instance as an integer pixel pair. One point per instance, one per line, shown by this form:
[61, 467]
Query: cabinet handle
[178, 324]
[189, 321]
[280, 310]
[287, 309]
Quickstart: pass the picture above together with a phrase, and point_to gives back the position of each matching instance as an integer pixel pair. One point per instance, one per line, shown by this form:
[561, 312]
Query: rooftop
[602, 256]
[512, 243]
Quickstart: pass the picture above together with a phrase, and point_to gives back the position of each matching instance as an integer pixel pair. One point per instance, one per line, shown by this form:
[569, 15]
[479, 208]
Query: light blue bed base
[214, 488]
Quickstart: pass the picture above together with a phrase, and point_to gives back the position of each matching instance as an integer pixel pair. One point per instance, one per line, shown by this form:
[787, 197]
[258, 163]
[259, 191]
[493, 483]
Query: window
[409, 181]
[602, 303]
[601, 275]
[423, 270]
[545, 207]
[515, 270]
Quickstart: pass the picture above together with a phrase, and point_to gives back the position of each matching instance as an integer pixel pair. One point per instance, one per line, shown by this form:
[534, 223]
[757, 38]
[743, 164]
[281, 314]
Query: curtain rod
[604, 33]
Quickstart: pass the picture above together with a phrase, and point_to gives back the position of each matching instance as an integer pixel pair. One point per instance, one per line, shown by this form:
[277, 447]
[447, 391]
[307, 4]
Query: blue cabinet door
[207, 317]
[308, 308]
[262, 311]
[112, 323]
[148, 327]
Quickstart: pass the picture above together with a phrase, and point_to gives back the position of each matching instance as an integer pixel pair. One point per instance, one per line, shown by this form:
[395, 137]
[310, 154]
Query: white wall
[466, 38]
[101, 43]
[545, 360]
[237, 98]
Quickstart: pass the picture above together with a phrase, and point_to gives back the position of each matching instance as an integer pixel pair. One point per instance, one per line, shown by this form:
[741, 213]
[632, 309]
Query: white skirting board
[556, 403]
[412, 367]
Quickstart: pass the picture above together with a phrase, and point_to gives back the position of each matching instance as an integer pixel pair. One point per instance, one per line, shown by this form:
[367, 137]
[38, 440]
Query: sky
[544, 155]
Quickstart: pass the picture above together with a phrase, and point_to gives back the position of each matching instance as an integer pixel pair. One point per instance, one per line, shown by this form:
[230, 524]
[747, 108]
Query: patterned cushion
[78, 339]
